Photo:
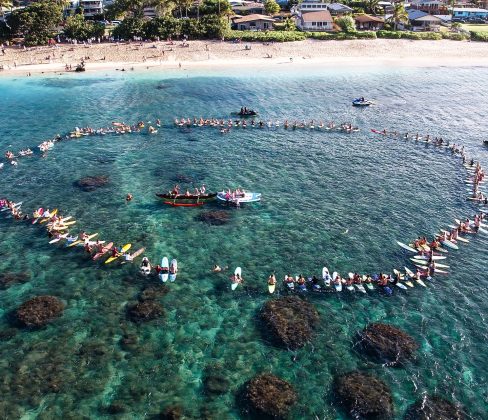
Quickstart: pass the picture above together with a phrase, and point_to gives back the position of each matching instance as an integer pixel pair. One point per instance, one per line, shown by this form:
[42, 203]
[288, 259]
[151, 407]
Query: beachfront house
[315, 21]
[90, 8]
[432, 7]
[306, 6]
[248, 8]
[369, 23]
[338, 9]
[423, 21]
[469, 13]
[254, 22]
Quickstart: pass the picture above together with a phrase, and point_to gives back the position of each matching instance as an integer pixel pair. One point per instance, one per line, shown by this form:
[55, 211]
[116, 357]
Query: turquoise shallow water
[315, 186]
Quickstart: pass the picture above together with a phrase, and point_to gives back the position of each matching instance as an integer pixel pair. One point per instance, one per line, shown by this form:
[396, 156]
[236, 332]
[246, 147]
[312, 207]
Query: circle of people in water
[429, 255]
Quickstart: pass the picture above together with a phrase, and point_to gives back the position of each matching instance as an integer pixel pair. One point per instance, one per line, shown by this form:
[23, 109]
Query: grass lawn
[476, 28]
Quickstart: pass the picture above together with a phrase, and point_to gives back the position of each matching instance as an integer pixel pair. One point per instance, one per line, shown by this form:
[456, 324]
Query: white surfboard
[237, 271]
[163, 275]
[174, 264]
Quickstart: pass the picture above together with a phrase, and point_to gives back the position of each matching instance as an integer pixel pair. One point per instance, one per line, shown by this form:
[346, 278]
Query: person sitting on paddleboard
[116, 252]
[145, 262]
[272, 280]
[128, 197]
[172, 269]
[98, 246]
[216, 268]
[83, 235]
[88, 248]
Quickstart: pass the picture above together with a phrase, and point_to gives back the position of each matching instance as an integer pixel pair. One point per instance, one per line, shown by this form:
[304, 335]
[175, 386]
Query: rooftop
[367, 18]
[253, 17]
[322, 16]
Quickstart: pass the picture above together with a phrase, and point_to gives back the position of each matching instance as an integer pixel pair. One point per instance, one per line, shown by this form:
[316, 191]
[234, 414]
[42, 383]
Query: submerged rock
[214, 217]
[290, 320]
[270, 396]
[432, 407]
[9, 279]
[91, 183]
[364, 396]
[215, 381]
[173, 412]
[39, 311]
[387, 343]
[145, 311]
[153, 292]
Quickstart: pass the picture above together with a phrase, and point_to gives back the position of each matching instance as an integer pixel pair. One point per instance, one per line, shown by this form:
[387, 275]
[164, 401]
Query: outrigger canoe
[174, 204]
[187, 197]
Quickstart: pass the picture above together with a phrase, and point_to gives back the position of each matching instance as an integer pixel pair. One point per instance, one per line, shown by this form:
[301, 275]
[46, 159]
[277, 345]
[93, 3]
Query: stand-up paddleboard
[411, 274]
[426, 263]
[173, 270]
[104, 250]
[326, 276]
[460, 239]
[164, 274]
[237, 271]
[402, 277]
[124, 249]
[401, 285]
[271, 287]
[480, 229]
[338, 287]
[405, 246]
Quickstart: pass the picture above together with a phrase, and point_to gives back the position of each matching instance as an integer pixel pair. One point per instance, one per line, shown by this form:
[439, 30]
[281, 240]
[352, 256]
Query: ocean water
[328, 199]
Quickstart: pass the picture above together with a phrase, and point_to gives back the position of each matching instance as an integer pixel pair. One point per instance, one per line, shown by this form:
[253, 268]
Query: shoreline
[216, 54]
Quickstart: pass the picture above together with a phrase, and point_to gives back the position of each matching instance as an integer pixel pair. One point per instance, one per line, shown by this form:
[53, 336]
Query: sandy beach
[380, 52]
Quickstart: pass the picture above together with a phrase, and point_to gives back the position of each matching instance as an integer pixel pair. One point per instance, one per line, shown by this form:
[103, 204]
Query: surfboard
[237, 271]
[326, 276]
[174, 264]
[338, 287]
[124, 249]
[427, 257]
[163, 275]
[271, 287]
[405, 246]
[104, 250]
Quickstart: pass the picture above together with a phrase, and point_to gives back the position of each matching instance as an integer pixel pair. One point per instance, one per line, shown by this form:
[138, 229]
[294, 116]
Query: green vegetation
[433, 36]
[271, 7]
[76, 27]
[479, 36]
[276, 36]
[341, 36]
[36, 23]
[475, 28]
[346, 23]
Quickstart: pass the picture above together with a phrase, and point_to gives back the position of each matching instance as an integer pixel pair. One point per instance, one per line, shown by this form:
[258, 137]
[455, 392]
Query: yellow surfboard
[124, 249]
[53, 213]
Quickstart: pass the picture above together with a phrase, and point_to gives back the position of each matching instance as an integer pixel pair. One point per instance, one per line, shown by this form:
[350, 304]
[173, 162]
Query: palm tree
[400, 15]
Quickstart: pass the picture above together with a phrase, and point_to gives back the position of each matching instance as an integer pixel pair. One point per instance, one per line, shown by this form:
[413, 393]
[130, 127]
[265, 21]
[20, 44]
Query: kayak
[124, 249]
[405, 246]
[173, 267]
[104, 250]
[237, 271]
[338, 286]
[164, 274]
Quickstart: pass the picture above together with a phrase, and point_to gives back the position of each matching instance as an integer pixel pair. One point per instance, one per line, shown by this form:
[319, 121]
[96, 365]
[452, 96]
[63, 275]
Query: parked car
[458, 20]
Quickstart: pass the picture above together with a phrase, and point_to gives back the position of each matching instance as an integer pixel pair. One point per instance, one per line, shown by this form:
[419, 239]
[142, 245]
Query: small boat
[361, 102]
[242, 198]
[187, 197]
[246, 113]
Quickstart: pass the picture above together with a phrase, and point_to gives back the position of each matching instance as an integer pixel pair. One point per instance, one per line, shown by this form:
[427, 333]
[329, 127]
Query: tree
[36, 23]
[215, 7]
[400, 15]
[271, 7]
[129, 28]
[346, 23]
[76, 27]
[289, 25]
[162, 28]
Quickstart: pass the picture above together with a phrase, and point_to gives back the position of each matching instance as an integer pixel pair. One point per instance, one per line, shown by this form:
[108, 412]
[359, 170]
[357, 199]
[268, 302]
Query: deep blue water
[328, 199]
